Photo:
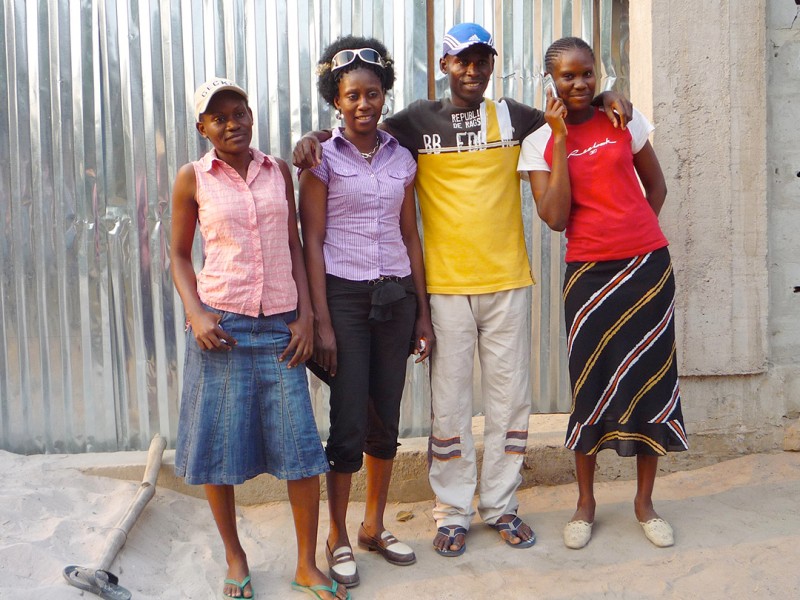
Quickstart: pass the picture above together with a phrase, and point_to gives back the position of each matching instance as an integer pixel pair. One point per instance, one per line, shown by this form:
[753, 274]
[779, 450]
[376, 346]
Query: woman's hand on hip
[301, 346]
[209, 334]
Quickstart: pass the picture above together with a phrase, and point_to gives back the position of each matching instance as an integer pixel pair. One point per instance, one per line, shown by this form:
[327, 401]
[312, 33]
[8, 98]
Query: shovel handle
[117, 537]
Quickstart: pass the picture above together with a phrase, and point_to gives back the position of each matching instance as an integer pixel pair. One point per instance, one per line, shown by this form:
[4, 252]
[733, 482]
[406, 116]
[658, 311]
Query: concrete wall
[720, 79]
[783, 174]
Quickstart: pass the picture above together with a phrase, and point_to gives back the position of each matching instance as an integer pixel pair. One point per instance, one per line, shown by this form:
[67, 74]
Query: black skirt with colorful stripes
[622, 363]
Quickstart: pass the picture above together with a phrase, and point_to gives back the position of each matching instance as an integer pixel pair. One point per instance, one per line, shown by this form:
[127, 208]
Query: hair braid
[559, 46]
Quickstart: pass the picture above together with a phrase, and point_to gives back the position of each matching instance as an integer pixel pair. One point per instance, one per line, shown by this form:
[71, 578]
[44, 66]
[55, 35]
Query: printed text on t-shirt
[591, 149]
[469, 141]
[467, 119]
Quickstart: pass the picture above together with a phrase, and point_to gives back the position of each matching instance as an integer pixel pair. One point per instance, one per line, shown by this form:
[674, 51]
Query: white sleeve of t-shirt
[640, 129]
[531, 156]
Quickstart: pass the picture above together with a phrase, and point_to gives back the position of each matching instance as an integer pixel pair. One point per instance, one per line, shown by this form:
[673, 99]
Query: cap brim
[461, 47]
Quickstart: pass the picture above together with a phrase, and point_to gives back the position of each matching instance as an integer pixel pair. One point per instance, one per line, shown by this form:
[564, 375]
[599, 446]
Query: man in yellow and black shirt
[477, 269]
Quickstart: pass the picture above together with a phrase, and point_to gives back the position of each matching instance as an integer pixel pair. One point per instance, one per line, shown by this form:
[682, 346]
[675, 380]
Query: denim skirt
[243, 412]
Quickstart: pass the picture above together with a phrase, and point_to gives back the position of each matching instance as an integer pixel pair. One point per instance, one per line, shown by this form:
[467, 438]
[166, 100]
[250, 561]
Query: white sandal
[577, 534]
[659, 532]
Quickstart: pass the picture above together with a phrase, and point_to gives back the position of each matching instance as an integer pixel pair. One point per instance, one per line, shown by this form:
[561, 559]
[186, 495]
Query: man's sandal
[512, 528]
[452, 532]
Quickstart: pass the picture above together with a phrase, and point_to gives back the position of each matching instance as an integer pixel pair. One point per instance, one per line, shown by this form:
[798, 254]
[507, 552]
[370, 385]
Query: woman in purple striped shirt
[364, 261]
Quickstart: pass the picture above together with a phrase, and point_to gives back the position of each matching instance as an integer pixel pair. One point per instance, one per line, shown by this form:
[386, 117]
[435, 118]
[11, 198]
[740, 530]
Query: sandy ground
[737, 529]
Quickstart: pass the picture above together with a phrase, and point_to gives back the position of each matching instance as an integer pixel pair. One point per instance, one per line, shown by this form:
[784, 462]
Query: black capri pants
[370, 374]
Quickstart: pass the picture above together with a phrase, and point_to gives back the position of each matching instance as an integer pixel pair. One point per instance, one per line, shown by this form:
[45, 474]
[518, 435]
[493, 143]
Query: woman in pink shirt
[364, 261]
[245, 408]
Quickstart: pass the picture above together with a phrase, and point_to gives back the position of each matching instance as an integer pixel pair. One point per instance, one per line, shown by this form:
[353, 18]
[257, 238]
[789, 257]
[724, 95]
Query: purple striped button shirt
[362, 236]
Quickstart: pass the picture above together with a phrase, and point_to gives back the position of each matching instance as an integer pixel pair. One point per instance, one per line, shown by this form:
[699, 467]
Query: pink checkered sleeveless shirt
[247, 266]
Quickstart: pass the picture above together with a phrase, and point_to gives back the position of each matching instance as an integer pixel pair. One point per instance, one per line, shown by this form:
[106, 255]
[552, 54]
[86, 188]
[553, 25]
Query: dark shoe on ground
[388, 546]
[342, 565]
[511, 528]
[451, 532]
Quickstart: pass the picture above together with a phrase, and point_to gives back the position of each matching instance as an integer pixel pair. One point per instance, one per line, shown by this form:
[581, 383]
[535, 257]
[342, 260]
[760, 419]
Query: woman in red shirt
[619, 288]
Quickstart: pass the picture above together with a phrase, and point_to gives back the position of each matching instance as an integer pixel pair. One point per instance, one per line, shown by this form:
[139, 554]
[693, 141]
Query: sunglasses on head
[346, 57]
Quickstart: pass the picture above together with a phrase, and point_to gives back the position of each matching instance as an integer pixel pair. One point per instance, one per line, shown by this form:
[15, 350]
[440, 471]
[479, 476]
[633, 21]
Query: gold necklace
[368, 155]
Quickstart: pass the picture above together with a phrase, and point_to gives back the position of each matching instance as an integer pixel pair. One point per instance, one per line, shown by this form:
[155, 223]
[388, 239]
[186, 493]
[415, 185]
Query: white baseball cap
[205, 92]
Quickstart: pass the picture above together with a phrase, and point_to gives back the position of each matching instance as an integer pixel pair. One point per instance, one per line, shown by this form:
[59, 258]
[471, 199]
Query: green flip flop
[241, 585]
[312, 590]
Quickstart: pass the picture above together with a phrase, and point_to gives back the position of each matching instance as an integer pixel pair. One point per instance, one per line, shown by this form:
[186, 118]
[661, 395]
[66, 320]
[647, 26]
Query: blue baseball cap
[462, 36]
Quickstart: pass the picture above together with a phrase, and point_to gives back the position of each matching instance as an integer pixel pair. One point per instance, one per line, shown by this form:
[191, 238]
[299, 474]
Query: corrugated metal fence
[98, 118]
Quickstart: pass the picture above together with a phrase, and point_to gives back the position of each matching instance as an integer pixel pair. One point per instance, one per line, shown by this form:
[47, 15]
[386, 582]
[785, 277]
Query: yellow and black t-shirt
[469, 191]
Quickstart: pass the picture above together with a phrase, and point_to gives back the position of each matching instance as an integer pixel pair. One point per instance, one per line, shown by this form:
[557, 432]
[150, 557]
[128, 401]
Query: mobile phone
[412, 348]
[548, 83]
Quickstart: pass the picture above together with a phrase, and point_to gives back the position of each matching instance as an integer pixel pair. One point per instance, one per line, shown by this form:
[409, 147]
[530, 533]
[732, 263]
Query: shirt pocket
[349, 194]
[395, 182]
[344, 170]
[401, 175]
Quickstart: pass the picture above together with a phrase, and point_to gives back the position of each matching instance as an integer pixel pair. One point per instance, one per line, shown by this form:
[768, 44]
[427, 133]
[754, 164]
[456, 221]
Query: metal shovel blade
[99, 582]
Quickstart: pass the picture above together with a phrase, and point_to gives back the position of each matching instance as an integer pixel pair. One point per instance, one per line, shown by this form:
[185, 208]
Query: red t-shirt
[610, 218]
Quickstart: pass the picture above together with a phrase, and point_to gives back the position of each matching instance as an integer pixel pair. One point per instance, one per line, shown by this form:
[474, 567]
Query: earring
[338, 115]
[384, 110]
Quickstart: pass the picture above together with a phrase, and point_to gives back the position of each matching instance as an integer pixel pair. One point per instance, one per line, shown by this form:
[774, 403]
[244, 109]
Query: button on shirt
[247, 265]
[362, 234]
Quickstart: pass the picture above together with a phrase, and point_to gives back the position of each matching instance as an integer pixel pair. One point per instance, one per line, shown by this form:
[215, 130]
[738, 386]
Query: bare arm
[205, 325]
[307, 152]
[313, 218]
[617, 107]
[423, 329]
[551, 190]
[651, 176]
[301, 345]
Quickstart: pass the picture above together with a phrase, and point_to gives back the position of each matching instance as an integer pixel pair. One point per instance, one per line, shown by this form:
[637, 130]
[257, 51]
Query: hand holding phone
[549, 84]
[555, 112]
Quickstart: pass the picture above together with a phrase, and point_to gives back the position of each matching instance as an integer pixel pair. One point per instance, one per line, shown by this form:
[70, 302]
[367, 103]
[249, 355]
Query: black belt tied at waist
[382, 278]
[387, 290]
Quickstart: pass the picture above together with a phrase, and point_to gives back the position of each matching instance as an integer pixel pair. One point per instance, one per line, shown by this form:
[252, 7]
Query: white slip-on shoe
[659, 532]
[577, 534]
